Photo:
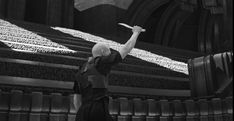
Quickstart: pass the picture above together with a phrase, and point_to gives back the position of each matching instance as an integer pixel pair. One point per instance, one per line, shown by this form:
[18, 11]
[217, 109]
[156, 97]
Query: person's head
[100, 49]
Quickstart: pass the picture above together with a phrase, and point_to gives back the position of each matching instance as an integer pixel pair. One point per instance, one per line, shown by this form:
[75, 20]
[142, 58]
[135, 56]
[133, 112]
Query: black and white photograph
[116, 60]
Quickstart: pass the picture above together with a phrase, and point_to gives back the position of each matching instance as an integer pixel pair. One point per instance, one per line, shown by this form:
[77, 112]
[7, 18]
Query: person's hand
[137, 29]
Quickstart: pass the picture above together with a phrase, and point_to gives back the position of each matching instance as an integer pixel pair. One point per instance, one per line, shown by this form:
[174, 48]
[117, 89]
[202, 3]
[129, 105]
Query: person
[92, 79]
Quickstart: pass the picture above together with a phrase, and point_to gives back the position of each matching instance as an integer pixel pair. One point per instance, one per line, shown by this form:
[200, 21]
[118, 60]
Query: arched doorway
[168, 25]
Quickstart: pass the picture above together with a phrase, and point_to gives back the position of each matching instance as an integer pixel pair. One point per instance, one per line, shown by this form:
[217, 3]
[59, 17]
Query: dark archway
[164, 21]
[148, 15]
[167, 24]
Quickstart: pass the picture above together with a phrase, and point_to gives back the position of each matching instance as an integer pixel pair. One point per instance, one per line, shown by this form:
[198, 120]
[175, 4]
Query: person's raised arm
[129, 45]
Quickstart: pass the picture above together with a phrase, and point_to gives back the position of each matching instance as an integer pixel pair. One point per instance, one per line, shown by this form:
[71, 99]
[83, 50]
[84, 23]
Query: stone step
[77, 61]
[41, 70]
[17, 37]
[79, 54]
[25, 34]
[60, 36]
[76, 45]
[65, 87]
[44, 29]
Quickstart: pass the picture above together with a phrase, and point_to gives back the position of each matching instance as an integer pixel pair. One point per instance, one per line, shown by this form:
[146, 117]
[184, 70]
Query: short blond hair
[99, 48]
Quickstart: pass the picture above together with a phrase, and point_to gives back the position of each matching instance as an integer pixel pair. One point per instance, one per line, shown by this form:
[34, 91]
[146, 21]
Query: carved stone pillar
[228, 23]
[220, 24]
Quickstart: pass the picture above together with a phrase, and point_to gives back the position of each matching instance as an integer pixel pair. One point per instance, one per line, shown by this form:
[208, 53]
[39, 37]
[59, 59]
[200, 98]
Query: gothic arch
[164, 21]
[170, 25]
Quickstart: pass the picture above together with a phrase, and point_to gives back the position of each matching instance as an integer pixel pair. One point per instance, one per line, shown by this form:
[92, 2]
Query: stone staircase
[37, 74]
